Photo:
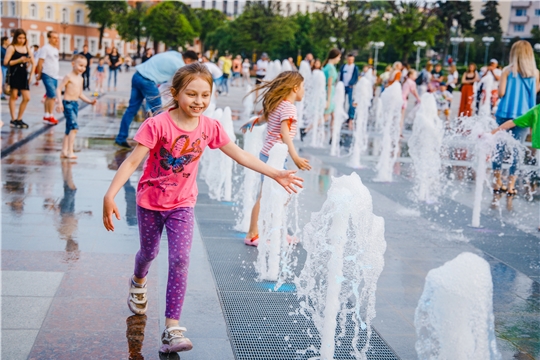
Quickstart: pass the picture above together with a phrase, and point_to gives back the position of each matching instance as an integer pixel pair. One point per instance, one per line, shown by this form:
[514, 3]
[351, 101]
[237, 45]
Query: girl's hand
[327, 105]
[59, 108]
[288, 180]
[109, 208]
[249, 126]
[302, 164]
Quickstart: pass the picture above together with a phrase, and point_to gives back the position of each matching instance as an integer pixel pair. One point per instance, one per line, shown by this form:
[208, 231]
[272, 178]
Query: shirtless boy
[73, 84]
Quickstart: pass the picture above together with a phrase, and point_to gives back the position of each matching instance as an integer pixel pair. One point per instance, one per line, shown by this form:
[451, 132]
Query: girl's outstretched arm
[122, 175]
[507, 125]
[285, 178]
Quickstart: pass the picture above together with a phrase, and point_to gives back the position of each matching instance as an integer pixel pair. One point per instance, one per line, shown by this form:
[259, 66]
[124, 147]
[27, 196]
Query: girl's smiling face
[194, 98]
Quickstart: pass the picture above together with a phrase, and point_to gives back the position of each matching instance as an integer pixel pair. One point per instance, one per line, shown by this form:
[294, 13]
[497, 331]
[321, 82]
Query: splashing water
[425, 150]
[209, 157]
[472, 136]
[249, 190]
[305, 71]
[247, 104]
[340, 116]
[391, 112]
[454, 316]
[218, 167]
[314, 108]
[345, 248]
[272, 220]
[363, 94]
[378, 125]
[286, 66]
[277, 69]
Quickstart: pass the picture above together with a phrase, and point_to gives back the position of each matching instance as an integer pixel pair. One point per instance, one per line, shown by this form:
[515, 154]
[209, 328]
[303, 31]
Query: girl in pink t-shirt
[279, 112]
[174, 141]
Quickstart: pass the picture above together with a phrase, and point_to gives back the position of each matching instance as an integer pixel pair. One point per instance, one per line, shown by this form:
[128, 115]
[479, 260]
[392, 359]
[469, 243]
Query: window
[33, 11]
[92, 46]
[48, 13]
[65, 15]
[12, 8]
[235, 8]
[225, 7]
[535, 27]
[298, 8]
[288, 8]
[213, 4]
[79, 16]
[34, 39]
[537, 12]
[79, 44]
[521, 12]
[2, 9]
[519, 28]
[203, 4]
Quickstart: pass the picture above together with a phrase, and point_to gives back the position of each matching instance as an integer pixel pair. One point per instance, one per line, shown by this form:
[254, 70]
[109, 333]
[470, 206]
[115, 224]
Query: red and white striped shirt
[286, 111]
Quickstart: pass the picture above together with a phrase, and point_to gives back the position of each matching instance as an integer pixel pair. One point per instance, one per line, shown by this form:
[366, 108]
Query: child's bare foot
[68, 156]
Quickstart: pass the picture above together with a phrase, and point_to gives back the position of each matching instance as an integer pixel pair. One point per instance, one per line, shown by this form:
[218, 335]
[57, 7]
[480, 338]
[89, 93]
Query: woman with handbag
[18, 56]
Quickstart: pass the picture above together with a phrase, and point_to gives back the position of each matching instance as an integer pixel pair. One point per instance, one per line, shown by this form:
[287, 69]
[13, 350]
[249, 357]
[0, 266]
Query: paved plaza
[65, 278]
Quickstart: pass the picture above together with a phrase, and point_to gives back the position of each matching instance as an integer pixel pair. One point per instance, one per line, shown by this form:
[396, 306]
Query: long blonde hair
[522, 59]
[275, 91]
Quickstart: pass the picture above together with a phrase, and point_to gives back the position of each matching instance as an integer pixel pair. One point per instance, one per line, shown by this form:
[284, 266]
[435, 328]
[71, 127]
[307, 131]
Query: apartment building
[524, 16]
[68, 18]
[236, 7]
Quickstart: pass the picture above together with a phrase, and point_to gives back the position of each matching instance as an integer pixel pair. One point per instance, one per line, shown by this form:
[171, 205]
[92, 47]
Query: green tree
[210, 20]
[104, 14]
[166, 22]
[348, 22]
[130, 25]
[402, 23]
[490, 24]
[449, 12]
[259, 28]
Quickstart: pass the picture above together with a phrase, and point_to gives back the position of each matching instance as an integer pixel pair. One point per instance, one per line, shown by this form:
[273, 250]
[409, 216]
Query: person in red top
[174, 141]
[279, 112]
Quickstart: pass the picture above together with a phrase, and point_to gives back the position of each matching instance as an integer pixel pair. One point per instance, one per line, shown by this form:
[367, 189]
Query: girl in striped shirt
[279, 113]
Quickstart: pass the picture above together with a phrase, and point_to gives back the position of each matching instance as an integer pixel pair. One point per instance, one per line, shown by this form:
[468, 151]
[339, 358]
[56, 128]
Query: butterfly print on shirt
[186, 154]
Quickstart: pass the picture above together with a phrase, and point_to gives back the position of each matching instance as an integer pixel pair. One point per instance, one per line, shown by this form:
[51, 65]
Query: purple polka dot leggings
[179, 224]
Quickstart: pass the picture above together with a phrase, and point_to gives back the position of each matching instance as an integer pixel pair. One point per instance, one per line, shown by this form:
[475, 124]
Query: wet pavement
[65, 278]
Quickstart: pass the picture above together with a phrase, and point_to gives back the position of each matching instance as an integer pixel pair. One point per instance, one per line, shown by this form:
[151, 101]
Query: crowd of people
[175, 134]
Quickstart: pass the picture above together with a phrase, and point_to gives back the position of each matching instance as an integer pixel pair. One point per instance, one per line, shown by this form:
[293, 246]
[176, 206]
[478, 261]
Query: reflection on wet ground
[51, 222]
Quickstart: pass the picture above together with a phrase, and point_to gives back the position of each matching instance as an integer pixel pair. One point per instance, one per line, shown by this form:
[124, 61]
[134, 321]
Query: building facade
[68, 18]
[236, 7]
[524, 16]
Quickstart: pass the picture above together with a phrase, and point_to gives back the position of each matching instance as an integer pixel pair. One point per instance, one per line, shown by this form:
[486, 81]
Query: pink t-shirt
[408, 86]
[286, 111]
[170, 172]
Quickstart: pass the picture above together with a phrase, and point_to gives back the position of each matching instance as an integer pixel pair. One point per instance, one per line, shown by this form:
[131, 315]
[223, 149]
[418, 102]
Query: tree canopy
[104, 14]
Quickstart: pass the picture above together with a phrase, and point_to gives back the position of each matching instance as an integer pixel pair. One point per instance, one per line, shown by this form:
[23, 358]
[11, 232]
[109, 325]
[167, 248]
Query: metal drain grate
[258, 319]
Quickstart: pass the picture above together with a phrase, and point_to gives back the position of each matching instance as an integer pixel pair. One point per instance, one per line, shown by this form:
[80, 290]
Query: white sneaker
[173, 340]
[137, 300]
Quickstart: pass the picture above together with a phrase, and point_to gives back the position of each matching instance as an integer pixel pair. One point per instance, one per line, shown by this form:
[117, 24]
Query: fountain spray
[345, 248]
[363, 94]
[340, 116]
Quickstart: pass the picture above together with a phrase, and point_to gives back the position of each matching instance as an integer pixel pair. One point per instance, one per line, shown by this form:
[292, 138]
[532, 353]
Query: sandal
[137, 300]
[511, 192]
[254, 241]
[173, 340]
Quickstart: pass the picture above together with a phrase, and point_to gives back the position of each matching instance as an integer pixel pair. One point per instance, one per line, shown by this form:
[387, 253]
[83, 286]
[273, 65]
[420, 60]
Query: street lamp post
[377, 45]
[505, 41]
[419, 45]
[468, 41]
[487, 40]
[64, 25]
[455, 42]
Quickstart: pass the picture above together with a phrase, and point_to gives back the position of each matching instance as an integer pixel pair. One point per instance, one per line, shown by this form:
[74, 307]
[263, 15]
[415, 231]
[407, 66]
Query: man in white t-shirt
[217, 74]
[490, 78]
[260, 71]
[48, 70]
